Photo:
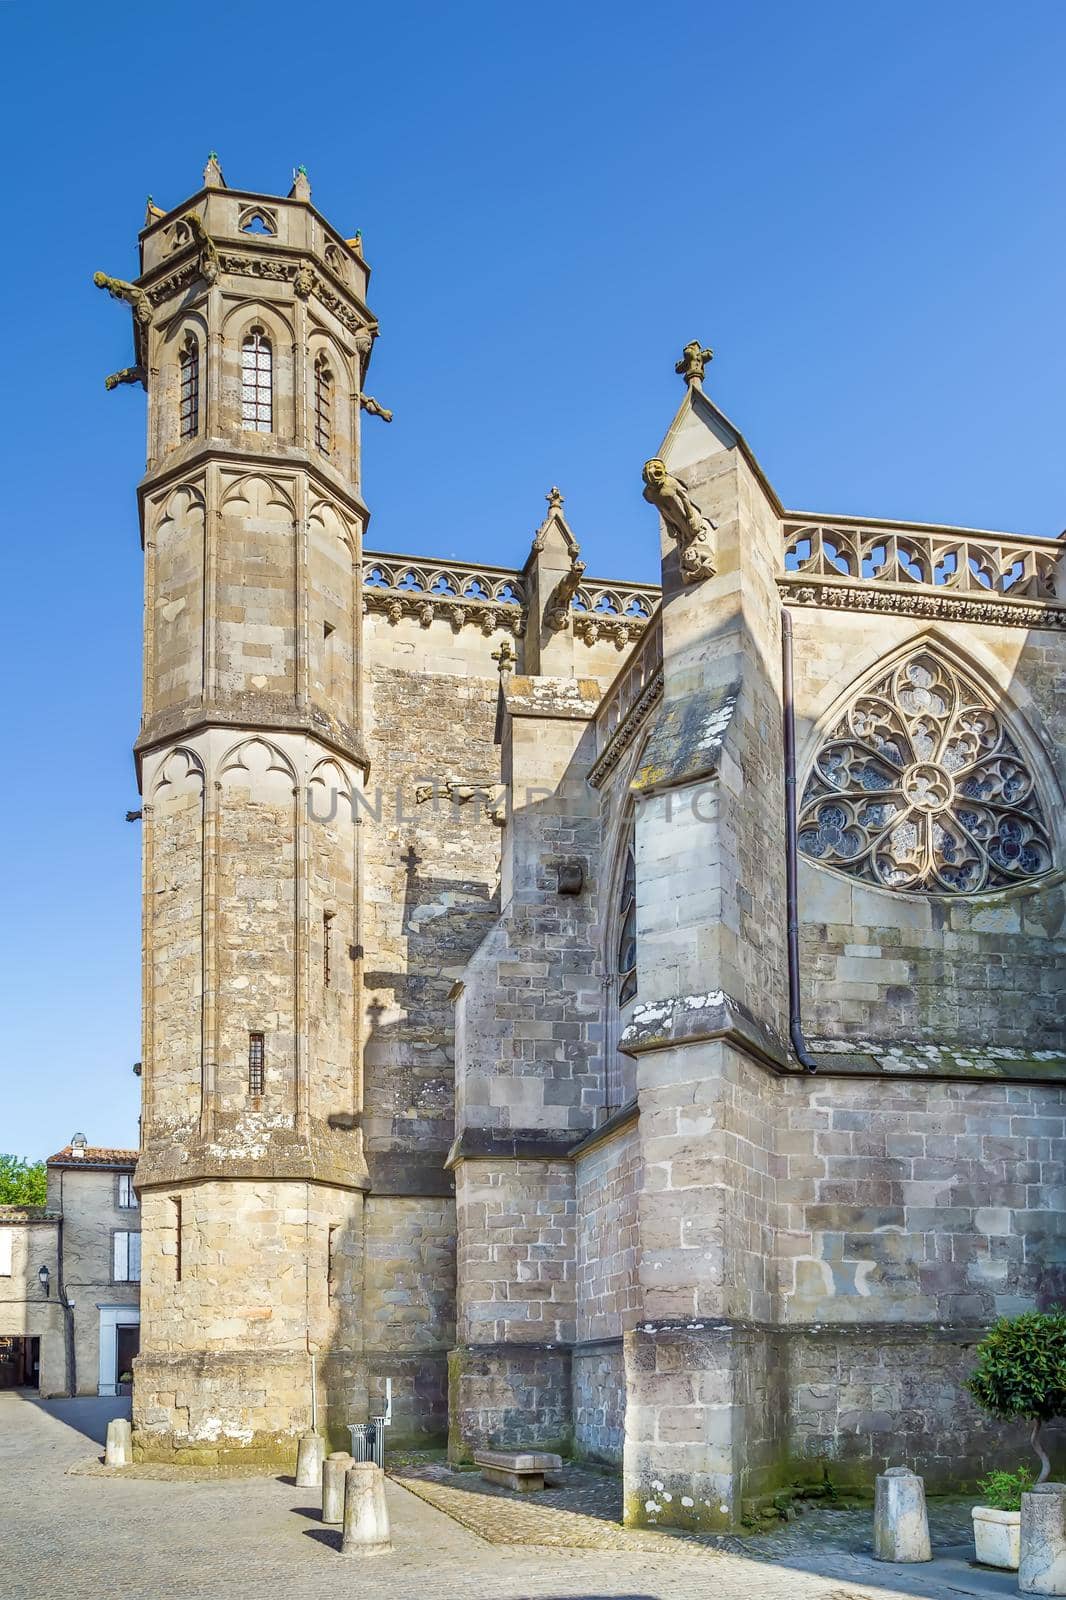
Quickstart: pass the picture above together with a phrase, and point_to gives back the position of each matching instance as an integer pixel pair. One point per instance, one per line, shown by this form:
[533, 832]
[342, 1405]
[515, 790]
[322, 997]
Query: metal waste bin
[368, 1440]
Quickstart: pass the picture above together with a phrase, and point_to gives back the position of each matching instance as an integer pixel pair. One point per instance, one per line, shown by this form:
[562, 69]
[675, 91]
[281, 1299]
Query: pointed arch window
[323, 406]
[920, 787]
[189, 375]
[257, 383]
[626, 955]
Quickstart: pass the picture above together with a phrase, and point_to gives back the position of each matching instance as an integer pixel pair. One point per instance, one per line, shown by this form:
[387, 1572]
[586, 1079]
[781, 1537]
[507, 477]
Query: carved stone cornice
[923, 604]
[264, 713]
[426, 608]
[591, 626]
[625, 732]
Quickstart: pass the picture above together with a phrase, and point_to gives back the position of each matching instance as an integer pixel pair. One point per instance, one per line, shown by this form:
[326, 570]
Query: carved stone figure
[209, 262]
[126, 375]
[304, 281]
[119, 289]
[368, 403]
[557, 611]
[694, 359]
[686, 523]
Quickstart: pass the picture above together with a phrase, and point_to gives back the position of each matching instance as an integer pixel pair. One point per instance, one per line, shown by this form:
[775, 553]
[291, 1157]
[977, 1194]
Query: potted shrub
[1020, 1377]
[125, 1383]
[997, 1521]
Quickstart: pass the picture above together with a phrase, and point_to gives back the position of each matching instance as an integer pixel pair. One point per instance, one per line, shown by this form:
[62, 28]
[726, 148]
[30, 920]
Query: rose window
[919, 787]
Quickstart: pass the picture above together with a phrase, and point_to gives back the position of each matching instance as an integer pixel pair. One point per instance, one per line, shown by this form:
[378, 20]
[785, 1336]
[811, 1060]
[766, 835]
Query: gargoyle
[119, 289]
[209, 262]
[368, 403]
[460, 793]
[127, 375]
[684, 520]
[557, 611]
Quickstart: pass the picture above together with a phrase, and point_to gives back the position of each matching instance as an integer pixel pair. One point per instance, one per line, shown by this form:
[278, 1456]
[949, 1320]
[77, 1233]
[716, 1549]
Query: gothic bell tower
[252, 339]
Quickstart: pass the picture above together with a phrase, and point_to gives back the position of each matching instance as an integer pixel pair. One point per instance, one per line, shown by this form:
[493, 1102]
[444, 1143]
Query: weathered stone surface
[366, 1516]
[309, 1457]
[1042, 1550]
[901, 1527]
[334, 1472]
[118, 1449]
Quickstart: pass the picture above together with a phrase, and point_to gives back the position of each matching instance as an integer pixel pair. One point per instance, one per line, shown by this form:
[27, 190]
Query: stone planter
[997, 1537]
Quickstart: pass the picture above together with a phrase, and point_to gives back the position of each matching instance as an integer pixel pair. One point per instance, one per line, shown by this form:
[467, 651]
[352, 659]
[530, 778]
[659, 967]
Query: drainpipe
[795, 1010]
[68, 1310]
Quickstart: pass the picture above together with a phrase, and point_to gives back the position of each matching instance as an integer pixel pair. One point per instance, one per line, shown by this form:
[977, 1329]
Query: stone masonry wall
[410, 1311]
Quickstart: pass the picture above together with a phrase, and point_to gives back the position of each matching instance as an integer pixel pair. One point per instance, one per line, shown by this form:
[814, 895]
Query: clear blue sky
[860, 207]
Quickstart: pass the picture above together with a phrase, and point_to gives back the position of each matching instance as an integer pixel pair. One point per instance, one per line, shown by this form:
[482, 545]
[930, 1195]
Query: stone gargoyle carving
[209, 262]
[460, 792]
[125, 375]
[684, 520]
[557, 611]
[374, 408]
[119, 289]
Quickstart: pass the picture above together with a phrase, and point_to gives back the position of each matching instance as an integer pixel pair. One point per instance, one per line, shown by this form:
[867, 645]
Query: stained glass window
[627, 925]
[920, 787]
[189, 362]
[257, 383]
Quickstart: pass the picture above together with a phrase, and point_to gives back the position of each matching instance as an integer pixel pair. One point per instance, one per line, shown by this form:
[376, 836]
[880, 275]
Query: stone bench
[517, 1469]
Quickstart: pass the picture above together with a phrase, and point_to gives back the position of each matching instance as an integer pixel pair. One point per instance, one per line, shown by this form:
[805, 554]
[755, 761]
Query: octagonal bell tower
[252, 339]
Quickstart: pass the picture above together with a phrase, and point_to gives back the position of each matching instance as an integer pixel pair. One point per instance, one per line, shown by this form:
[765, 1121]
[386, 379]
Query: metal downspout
[795, 1009]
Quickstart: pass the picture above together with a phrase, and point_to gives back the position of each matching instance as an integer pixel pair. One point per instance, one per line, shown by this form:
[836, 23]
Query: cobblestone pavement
[72, 1535]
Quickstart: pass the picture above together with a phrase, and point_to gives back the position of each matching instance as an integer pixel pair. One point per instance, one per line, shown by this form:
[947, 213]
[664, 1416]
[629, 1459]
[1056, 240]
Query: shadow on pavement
[87, 1414]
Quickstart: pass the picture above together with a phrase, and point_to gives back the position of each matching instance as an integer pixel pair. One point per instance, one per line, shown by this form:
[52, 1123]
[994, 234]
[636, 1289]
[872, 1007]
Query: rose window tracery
[919, 786]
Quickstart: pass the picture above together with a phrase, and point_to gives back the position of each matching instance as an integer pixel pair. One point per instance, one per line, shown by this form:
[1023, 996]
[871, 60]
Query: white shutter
[133, 1244]
[6, 1236]
[121, 1267]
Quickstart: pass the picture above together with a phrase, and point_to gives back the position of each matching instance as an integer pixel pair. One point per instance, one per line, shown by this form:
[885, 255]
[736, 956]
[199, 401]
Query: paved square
[71, 1532]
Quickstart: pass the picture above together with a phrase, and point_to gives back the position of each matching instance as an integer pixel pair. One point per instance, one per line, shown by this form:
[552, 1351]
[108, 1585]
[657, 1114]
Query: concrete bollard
[118, 1451]
[366, 1516]
[1042, 1567]
[309, 1453]
[334, 1471]
[901, 1527]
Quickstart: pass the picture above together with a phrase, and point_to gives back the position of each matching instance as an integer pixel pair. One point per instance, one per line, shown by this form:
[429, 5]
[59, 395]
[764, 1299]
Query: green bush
[22, 1183]
[1021, 1372]
[1003, 1491]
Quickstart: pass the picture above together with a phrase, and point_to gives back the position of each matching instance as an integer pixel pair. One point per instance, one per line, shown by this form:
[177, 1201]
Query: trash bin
[368, 1440]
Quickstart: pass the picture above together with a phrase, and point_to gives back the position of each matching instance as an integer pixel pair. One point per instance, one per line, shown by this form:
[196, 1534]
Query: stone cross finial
[554, 498]
[301, 185]
[505, 658]
[694, 359]
[213, 178]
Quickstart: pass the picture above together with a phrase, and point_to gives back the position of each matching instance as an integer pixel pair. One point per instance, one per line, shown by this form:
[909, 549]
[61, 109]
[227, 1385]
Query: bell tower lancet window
[323, 406]
[189, 371]
[627, 926]
[257, 383]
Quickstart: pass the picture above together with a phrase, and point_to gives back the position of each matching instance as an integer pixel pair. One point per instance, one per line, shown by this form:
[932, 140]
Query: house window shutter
[6, 1236]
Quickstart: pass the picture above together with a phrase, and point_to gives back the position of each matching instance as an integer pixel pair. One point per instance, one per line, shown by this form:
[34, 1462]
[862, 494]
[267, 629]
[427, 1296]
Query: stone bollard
[118, 1451]
[309, 1453]
[366, 1516]
[334, 1471]
[1042, 1568]
[901, 1527]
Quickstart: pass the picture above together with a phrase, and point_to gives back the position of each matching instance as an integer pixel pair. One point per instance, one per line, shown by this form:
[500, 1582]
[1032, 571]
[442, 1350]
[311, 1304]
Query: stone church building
[631, 1020]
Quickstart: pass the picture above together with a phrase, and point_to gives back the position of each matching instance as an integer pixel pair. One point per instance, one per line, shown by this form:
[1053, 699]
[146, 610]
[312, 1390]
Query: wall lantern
[44, 1278]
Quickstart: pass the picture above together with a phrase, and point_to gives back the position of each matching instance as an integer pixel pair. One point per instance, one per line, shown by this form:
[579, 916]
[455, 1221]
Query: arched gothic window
[919, 787]
[189, 372]
[626, 954]
[257, 383]
[323, 406]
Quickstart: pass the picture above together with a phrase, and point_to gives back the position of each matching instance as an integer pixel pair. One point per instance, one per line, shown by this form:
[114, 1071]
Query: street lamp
[44, 1278]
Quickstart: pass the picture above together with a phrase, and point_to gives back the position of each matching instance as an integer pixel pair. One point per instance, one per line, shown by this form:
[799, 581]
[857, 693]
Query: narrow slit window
[323, 406]
[256, 1062]
[327, 948]
[257, 383]
[177, 1238]
[190, 387]
[627, 937]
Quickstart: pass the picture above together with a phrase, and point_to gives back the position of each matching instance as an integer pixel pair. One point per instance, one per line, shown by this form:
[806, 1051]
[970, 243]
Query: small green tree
[22, 1183]
[1021, 1373]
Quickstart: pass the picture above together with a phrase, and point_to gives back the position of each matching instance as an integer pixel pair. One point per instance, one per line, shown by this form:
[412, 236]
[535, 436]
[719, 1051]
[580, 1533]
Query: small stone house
[70, 1277]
